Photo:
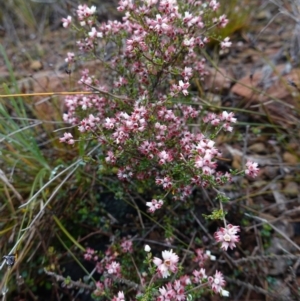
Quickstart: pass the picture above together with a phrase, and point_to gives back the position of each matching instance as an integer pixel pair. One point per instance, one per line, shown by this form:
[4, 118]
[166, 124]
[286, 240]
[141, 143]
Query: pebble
[291, 189]
[36, 65]
[290, 158]
[258, 148]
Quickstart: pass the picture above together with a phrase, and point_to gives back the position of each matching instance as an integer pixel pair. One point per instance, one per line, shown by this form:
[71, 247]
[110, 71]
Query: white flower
[150, 2]
[226, 43]
[147, 248]
[224, 293]
[92, 10]
[211, 257]
[67, 21]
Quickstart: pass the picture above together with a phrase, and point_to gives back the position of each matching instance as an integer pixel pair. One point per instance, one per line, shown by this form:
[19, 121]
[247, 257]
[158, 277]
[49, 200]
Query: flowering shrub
[142, 119]
[151, 125]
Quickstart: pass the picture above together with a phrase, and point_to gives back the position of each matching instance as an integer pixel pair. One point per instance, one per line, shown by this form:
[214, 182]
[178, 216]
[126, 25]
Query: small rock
[258, 148]
[270, 172]
[290, 158]
[236, 163]
[36, 65]
[279, 244]
[285, 227]
[278, 196]
[291, 189]
[259, 184]
[214, 99]
[283, 291]
[262, 15]
[217, 80]
[279, 267]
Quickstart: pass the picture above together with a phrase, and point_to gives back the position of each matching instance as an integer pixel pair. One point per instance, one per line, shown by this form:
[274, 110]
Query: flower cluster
[113, 268]
[126, 245]
[108, 263]
[90, 255]
[251, 169]
[154, 205]
[200, 257]
[200, 277]
[67, 138]
[173, 291]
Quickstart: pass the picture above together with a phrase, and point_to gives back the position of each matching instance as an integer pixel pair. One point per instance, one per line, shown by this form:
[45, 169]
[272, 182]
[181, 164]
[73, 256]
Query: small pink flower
[95, 34]
[164, 157]
[166, 182]
[214, 5]
[227, 236]
[169, 263]
[166, 293]
[222, 21]
[70, 57]
[99, 285]
[228, 117]
[179, 291]
[227, 127]
[124, 173]
[99, 289]
[120, 297]
[67, 138]
[66, 21]
[251, 169]
[200, 257]
[226, 43]
[154, 205]
[199, 276]
[89, 254]
[126, 246]
[185, 280]
[110, 158]
[217, 282]
[109, 123]
[113, 268]
[183, 86]
[187, 73]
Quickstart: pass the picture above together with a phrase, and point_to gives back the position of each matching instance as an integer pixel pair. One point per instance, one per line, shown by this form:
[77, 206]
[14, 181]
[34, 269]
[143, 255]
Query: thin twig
[251, 287]
[189, 247]
[276, 229]
[201, 226]
[125, 281]
[137, 210]
[73, 283]
[4, 179]
[137, 270]
[263, 258]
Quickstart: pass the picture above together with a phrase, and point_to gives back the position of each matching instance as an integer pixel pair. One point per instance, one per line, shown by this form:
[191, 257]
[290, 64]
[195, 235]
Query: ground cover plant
[139, 198]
